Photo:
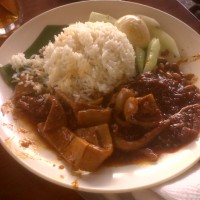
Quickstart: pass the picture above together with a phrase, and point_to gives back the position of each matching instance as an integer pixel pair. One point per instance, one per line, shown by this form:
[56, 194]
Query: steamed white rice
[86, 60]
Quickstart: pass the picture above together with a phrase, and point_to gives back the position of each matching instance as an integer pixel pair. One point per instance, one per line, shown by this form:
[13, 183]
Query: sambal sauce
[155, 112]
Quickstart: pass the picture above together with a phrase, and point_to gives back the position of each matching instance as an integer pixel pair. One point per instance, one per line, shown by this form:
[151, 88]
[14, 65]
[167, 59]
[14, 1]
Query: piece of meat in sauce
[80, 153]
[80, 148]
[171, 88]
[173, 92]
[36, 105]
[165, 118]
[184, 127]
[84, 114]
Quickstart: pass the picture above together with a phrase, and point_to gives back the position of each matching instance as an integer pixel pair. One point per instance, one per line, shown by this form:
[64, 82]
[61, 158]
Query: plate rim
[94, 190]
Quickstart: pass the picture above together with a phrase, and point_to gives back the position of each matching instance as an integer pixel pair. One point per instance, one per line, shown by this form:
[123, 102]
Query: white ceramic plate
[45, 163]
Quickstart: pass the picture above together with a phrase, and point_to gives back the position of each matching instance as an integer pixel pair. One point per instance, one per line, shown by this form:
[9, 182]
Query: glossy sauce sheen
[173, 91]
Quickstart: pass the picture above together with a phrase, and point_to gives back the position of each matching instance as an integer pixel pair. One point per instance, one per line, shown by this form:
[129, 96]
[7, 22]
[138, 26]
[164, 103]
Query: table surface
[15, 181]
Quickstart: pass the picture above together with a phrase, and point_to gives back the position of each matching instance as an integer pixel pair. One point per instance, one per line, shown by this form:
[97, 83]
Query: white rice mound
[88, 59]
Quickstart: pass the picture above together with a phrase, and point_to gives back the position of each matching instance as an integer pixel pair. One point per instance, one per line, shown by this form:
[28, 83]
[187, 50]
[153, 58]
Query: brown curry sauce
[172, 91]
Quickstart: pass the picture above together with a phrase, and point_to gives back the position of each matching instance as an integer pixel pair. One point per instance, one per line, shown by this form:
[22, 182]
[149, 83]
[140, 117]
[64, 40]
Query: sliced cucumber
[150, 22]
[153, 52]
[95, 16]
[167, 41]
[140, 59]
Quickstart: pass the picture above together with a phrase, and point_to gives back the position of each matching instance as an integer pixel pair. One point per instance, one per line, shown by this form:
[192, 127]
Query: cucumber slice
[149, 21]
[95, 16]
[153, 52]
[167, 41]
[140, 59]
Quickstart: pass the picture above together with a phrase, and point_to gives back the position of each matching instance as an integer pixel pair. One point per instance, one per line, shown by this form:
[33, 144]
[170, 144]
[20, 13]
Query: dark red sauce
[172, 90]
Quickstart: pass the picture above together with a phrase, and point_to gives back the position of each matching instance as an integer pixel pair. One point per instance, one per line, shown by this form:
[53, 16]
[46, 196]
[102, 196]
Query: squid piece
[142, 111]
[93, 117]
[79, 149]
[77, 105]
[88, 134]
[130, 108]
[78, 152]
[121, 98]
[56, 117]
[179, 120]
[84, 113]
[89, 161]
[148, 114]
[125, 145]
